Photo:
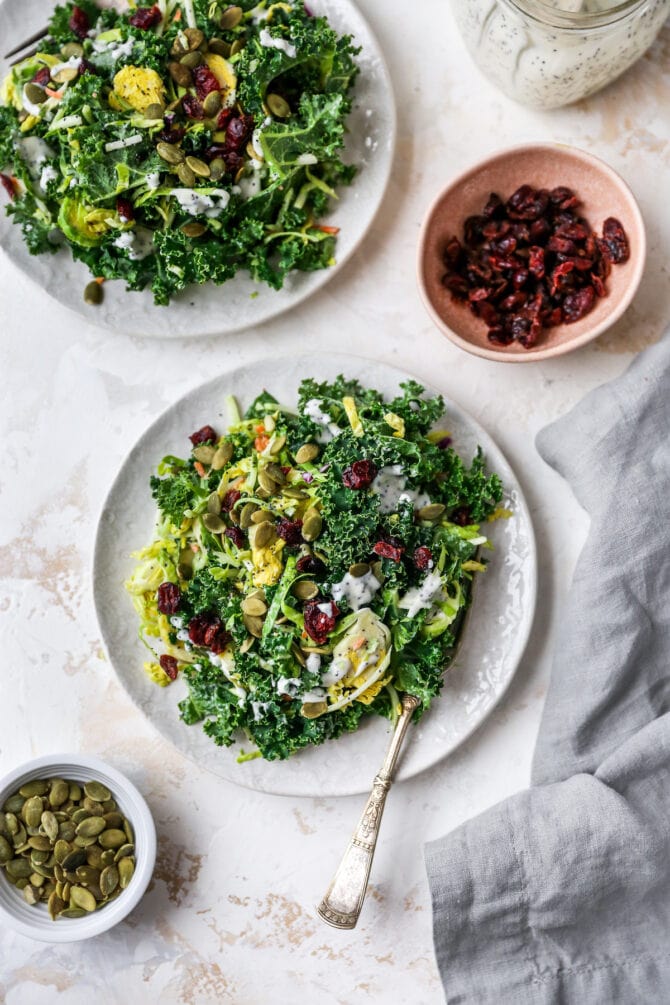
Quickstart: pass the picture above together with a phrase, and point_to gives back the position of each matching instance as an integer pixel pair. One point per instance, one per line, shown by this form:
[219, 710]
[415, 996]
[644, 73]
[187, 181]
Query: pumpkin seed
[93, 808]
[261, 516]
[61, 850]
[313, 709]
[65, 892]
[222, 456]
[155, 111]
[40, 842]
[277, 446]
[311, 525]
[81, 897]
[18, 868]
[65, 75]
[72, 49]
[214, 503]
[30, 894]
[275, 472]
[60, 790]
[75, 858]
[6, 851]
[217, 168]
[124, 850]
[185, 175]
[80, 814]
[305, 589]
[91, 827]
[50, 825]
[94, 857]
[230, 18]
[247, 644]
[86, 875]
[253, 625]
[126, 869]
[40, 857]
[169, 153]
[219, 47]
[204, 453]
[36, 787]
[264, 534]
[359, 569]
[211, 107]
[191, 60]
[112, 838]
[193, 229]
[108, 857]
[306, 453]
[55, 905]
[109, 805]
[237, 46]
[213, 523]
[75, 792]
[266, 482]
[11, 823]
[34, 93]
[246, 514]
[184, 571]
[72, 912]
[48, 871]
[432, 512]
[67, 831]
[109, 880]
[278, 106]
[14, 804]
[294, 492]
[32, 811]
[254, 606]
[197, 166]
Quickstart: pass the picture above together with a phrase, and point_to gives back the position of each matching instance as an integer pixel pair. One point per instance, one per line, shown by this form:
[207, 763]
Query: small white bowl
[34, 921]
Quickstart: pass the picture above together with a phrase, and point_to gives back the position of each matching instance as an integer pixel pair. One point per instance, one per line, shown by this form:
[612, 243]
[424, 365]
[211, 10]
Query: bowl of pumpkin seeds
[77, 847]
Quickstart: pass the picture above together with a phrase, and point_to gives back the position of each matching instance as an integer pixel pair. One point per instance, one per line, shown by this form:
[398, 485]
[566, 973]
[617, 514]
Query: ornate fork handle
[342, 904]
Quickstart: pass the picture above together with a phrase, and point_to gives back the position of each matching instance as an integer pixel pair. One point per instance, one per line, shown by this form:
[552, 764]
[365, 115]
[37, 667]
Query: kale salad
[176, 144]
[312, 563]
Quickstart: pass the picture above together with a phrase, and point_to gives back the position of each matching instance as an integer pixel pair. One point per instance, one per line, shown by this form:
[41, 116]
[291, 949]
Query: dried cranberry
[494, 207]
[461, 516]
[229, 499]
[423, 558]
[290, 530]
[445, 442]
[498, 336]
[204, 435]
[145, 17]
[536, 262]
[8, 185]
[211, 631]
[225, 115]
[168, 597]
[236, 536]
[204, 80]
[86, 67]
[311, 564]
[79, 22]
[455, 284]
[577, 304]
[220, 641]
[192, 107]
[360, 474]
[169, 665]
[42, 77]
[452, 253]
[557, 279]
[173, 134]
[388, 549]
[320, 619]
[124, 208]
[598, 285]
[238, 131]
[615, 241]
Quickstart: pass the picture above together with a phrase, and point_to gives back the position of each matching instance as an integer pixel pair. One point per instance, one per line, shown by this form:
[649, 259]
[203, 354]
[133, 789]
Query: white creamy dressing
[338, 669]
[115, 50]
[546, 65]
[196, 204]
[250, 184]
[176, 621]
[316, 694]
[73, 63]
[259, 14]
[314, 412]
[259, 708]
[313, 663]
[182, 635]
[421, 598]
[153, 180]
[240, 694]
[269, 41]
[48, 174]
[34, 152]
[288, 685]
[358, 591]
[326, 608]
[138, 243]
[306, 159]
[391, 487]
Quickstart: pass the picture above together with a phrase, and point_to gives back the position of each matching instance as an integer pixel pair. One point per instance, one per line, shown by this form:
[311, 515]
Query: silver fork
[42, 33]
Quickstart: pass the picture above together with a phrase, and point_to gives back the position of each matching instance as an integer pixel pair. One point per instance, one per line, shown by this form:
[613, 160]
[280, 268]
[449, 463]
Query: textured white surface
[230, 915]
[497, 628]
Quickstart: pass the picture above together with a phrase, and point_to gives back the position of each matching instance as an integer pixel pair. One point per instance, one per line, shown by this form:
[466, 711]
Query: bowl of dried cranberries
[531, 253]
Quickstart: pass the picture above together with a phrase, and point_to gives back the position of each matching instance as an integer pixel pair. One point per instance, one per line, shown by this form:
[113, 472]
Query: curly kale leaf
[176, 494]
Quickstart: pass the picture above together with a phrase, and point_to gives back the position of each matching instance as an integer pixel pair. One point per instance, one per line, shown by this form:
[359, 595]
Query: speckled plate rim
[78, 767]
[429, 741]
[499, 355]
[240, 303]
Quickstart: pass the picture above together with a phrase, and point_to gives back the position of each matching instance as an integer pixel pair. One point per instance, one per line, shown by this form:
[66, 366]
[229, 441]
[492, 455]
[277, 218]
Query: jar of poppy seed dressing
[548, 53]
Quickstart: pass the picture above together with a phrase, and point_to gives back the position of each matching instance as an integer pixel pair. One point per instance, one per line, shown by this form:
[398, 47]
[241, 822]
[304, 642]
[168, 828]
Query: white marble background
[230, 916]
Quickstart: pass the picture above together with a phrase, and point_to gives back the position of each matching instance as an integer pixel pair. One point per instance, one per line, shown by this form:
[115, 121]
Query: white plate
[497, 629]
[241, 302]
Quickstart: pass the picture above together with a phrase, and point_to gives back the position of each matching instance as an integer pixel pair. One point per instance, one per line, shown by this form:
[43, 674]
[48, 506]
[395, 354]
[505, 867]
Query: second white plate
[496, 632]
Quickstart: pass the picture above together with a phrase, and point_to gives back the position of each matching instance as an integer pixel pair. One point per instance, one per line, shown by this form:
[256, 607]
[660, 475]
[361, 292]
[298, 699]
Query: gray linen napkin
[561, 893]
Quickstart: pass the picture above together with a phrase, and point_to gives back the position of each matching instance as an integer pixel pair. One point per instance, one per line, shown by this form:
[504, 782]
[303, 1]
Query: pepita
[128, 831]
[213, 523]
[294, 492]
[6, 851]
[34, 93]
[65, 75]
[86, 875]
[204, 453]
[109, 880]
[75, 858]
[300, 657]
[223, 454]
[124, 850]
[311, 525]
[432, 512]
[79, 814]
[55, 905]
[61, 850]
[18, 868]
[278, 106]
[378, 572]
[108, 857]
[81, 897]
[264, 534]
[30, 894]
[254, 606]
[72, 912]
[32, 811]
[306, 453]
[91, 827]
[230, 18]
[274, 470]
[75, 792]
[92, 807]
[155, 111]
[247, 644]
[191, 59]
[305, 589]
[219, 47]
[169, 153]
[237, 46]
[266, 482]
[71, 49]
[94, 857]
[246, 514]
[193, 229]
[126, 869]
[112, 838]
[254, 626]
[197, 166]
[185, 175]
[277, 445]
[60, 790]
[313, 709]
[261, 516]
[211, 107]
[217, 168]
[39, 857]
[40, 842]
[359, 569]
[14, 804]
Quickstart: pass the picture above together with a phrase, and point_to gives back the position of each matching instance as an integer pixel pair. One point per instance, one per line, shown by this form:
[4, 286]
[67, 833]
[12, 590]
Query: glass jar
[547, 53]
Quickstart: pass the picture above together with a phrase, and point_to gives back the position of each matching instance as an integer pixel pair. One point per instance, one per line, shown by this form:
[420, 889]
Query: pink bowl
[542, 165]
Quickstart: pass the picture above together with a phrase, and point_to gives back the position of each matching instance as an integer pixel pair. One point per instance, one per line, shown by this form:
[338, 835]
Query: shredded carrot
[358, 643]
[238, 481]
[261, 442]
[53, 94]
[100, 279]
[199, 468]
[328, 230]
[177, 15]
[194, 547]
[260, 428]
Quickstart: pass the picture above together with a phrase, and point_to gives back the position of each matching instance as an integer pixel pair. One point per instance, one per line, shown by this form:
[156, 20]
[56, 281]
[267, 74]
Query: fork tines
[27, 41]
